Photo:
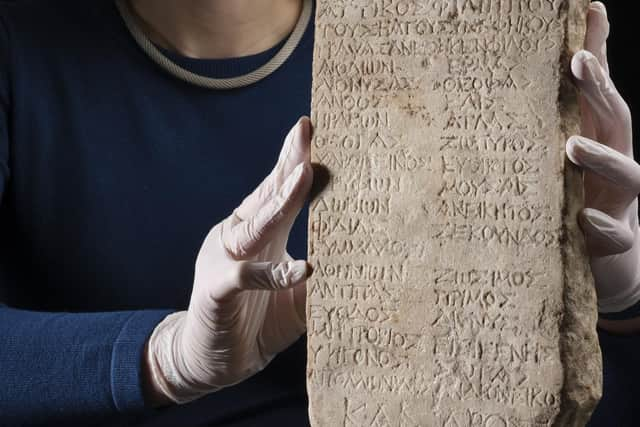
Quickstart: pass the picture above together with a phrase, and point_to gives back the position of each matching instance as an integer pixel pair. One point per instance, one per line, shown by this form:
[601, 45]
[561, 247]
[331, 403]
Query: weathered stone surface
[450, 286]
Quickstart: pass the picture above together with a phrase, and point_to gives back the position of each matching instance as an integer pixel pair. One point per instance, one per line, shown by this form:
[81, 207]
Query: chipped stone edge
[579, 346]
[316, 191]
[582, 387]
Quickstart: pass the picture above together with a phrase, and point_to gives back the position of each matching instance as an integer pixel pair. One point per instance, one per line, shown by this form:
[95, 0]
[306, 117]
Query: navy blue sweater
[111, 174]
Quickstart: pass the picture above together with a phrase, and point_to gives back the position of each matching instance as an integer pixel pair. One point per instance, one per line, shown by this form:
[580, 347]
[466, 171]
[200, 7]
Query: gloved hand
[611, 176]
[248, 297]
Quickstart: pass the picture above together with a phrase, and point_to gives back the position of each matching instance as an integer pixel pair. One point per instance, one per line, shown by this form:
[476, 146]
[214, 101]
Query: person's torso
[118, 170]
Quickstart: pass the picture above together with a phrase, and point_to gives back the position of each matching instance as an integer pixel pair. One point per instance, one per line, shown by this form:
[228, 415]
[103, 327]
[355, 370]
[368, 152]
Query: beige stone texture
[450, 284]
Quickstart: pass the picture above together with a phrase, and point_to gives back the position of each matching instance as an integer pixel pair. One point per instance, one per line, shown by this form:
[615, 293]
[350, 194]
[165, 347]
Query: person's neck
[216, 28]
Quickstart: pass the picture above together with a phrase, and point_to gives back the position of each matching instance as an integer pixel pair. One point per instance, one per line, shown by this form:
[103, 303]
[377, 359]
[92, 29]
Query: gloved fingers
[605, 235]
[282, 325]
[606, 162]
[588, 125]
[300, 293]
[610, 112]
[248, 237]
[597, 33]
[271, 276]
[295, 150]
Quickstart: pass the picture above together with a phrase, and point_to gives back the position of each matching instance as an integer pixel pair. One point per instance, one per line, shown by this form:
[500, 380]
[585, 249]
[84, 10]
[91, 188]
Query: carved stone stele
[450, 284]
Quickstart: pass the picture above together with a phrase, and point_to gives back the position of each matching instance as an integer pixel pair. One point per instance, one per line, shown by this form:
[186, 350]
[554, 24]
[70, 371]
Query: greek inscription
[444, 245]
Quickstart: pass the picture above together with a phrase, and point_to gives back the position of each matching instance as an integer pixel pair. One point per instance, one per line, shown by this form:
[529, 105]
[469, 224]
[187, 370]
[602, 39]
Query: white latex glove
[611, 176]
[248, 297]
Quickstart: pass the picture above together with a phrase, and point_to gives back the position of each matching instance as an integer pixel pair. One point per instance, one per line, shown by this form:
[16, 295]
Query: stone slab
[450, 285]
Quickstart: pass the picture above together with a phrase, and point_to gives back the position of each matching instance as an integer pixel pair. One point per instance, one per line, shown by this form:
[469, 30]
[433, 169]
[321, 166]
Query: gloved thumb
[604, 234]
[246, 238]
[273, 276]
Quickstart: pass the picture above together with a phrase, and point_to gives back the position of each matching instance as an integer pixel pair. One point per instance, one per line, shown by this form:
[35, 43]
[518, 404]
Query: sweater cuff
[126, 359]
[630, 313]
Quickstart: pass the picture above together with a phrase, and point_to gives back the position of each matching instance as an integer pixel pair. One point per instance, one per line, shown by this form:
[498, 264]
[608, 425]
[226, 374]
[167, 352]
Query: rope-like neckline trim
[208, 82]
